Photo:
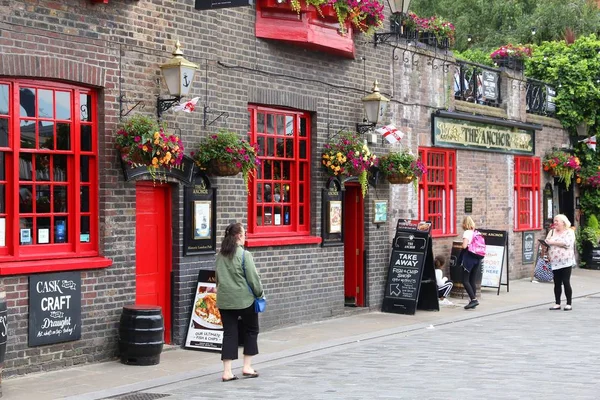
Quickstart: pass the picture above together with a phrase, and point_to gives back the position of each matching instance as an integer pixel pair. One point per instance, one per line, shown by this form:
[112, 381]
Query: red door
[153, 249]
[354, 246]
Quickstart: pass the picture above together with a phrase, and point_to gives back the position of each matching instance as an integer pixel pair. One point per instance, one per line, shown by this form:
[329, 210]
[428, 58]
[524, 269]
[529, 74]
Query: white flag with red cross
[591, 142]
[188, 106]
[390, 133]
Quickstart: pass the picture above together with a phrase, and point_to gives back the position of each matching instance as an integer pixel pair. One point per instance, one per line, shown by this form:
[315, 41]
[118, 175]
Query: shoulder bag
[260, 303]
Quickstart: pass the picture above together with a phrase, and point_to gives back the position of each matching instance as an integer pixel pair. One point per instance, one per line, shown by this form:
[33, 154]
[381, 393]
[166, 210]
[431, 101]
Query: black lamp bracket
[364, 127]
[208, 111]
[122, 104]
[164, 104]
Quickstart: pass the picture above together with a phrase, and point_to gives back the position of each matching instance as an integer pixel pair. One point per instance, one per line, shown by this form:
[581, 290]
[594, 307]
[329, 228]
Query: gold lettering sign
[457, 133]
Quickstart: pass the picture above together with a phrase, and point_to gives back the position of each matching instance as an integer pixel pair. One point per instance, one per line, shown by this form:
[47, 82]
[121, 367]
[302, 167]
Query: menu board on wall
[495, 262]
[205, 330]
[411, 277]
[54, 308]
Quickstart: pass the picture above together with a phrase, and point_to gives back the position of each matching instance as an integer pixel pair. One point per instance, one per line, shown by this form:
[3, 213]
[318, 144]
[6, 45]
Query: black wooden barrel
[141, 335]
[3, 331]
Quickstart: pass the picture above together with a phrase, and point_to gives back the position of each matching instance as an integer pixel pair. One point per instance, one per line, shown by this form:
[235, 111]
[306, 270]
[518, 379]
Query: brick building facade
[114, 50]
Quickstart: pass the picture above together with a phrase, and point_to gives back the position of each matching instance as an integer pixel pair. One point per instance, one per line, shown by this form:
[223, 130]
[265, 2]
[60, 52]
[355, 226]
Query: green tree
[492, 23]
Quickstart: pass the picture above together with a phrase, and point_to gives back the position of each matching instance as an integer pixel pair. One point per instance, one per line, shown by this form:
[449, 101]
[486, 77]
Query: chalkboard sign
[468, 205]
[489, 83]
[205, 330]
[528, 247]
[550, 98]
[54, 308]
[495, 262]
[411, 276]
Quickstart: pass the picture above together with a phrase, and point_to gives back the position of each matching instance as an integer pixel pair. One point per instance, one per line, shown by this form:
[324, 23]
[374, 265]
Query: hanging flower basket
[227, 154]
[399, 179]
[222, 168]
[562, 165]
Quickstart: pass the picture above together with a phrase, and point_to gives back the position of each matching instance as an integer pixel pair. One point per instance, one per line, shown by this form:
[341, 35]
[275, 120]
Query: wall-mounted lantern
[178, 73]
[375, 105]
[399, 10]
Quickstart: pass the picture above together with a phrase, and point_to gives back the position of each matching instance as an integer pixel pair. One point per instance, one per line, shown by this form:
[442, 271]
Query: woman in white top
[561, 254]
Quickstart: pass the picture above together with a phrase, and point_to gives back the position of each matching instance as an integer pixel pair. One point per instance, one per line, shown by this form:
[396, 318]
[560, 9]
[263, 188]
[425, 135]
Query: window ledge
[285, 241]
[440, 235]
[60, 264]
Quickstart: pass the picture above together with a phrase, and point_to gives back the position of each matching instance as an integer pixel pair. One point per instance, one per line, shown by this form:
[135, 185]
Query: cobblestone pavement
[526, 354]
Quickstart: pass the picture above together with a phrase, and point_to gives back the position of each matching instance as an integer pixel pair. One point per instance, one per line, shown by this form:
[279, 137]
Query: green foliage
[131, 132]
[476, 56]
[590, 234]
[573, 70]
[492, 23]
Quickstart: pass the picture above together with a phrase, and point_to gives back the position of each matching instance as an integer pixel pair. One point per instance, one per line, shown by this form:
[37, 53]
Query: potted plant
[438, 31]
[347, 155]
[226, 154]
[402, 167]
[588, 239]
[143, 142]
[511, 56]
[562, 165]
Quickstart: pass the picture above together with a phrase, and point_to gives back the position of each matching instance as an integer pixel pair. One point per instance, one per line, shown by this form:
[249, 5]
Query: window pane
[270, 147]
[302, 127]
[63, 136]
[25, 199]
[268, 193]
[301, 192]
[3, 132]
[60, 199]
[279, 147]
[289, 148]
[25, 166]
[302, 154]
[2, 199]
[27, 134]
[84, 173]
[260, 123]
[280, 125]
[286, 169]
[286, 215]
[2, 167]
[47, 135]
[85, 198]
[86, 138]
[85, 101]
[270, 124]
[289, 125]
[43, 230]
[42, 199]
[84, 236]
[42, 167]
[301, 215]
[63, 105]
[3, 99]
[60, 168]
[27, 102]
[60, 230]
[268, 219]
[259, 216]
[268, 168]
[261, 145]
[45, 104]
[26, 226]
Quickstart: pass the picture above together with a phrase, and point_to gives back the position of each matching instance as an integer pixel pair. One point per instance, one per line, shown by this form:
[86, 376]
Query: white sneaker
[446, 302]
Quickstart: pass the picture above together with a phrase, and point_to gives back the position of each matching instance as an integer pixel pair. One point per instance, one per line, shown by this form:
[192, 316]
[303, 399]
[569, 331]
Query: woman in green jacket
[234, 300]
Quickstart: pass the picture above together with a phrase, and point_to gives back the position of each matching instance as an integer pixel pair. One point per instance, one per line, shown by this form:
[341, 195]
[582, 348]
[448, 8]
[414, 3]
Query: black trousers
[230, 332]
[562, 277]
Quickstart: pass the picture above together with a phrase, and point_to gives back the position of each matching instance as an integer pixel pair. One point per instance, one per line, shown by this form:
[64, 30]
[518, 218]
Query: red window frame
[279, 199]
[437, 190]
[527, 193]
[44, 182]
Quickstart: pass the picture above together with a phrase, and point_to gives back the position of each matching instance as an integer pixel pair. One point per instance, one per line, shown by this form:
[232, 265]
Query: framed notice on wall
[199, 222]
[332, 214]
